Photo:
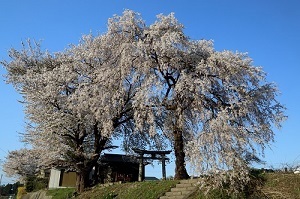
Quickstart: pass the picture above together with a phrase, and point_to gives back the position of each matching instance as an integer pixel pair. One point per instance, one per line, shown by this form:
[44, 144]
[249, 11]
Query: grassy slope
[282, 185]
[136, 190]
[62, 193]
[276, 186]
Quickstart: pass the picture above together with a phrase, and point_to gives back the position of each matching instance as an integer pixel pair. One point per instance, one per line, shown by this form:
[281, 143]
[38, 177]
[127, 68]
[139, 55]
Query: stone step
[189, 181]
[178, 193]
[185, 193]
[184, 185]
[179, 189]
[191, 188]
[175, 193]
[183, 188]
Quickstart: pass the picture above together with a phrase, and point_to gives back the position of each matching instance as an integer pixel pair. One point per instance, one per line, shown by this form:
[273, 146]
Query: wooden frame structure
[154, 155]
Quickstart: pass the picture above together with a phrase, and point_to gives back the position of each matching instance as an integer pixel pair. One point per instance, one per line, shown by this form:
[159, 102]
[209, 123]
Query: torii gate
[162, 157]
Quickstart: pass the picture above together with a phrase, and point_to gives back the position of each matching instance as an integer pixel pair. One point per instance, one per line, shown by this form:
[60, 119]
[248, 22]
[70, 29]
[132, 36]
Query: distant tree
[8, 189]
[21, 163]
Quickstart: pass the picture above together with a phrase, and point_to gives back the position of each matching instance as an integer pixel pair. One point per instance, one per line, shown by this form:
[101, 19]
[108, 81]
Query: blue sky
[268, 30]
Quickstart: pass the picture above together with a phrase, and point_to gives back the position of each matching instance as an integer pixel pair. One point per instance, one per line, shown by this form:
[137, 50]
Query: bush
[21, 192]
[34, 183]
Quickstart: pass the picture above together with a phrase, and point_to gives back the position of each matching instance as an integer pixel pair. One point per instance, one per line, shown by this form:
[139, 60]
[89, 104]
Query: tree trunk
[96, 175]
[82, 181]
[180, 170]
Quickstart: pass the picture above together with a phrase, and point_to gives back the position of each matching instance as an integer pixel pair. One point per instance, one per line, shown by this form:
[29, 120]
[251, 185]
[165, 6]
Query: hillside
[282, 185]
[275, 186]
[136, 190]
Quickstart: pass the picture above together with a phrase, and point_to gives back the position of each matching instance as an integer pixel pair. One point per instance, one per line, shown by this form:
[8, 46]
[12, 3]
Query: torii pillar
[141, 168]
[163, 166]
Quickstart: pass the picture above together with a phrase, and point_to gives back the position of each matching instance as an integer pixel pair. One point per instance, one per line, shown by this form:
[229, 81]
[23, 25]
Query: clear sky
[268, 30]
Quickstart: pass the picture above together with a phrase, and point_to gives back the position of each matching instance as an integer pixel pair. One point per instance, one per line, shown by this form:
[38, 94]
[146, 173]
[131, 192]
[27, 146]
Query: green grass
[136, 190]
[282, 185]
[62, 193]
[274, 185]
[222, 194]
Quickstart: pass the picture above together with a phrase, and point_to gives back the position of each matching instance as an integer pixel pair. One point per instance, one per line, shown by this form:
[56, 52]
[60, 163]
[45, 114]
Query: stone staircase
[182, 190]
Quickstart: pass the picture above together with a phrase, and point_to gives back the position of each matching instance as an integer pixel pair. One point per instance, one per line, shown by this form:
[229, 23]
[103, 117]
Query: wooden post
[143, 176]
[163, 161]
[141, 168]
